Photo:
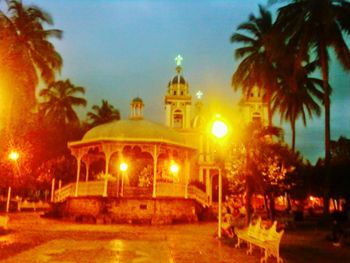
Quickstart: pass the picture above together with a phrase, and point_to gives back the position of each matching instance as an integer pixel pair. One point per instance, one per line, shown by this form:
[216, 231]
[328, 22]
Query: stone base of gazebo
[132, 210]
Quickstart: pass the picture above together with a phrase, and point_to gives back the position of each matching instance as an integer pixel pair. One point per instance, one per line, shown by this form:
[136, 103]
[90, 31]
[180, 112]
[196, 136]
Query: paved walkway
[35, 239]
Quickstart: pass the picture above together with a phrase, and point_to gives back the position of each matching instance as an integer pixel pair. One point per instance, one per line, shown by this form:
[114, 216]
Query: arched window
[178, 119]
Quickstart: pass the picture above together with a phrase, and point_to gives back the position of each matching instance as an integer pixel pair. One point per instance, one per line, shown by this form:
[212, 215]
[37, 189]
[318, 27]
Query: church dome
[178, 79]
[137, 100]
[133, 131]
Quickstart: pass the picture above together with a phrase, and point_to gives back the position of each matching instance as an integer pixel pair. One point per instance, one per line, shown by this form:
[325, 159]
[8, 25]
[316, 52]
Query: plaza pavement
[35, 239]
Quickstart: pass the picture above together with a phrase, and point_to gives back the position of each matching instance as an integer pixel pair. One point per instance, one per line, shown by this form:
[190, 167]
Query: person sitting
[227, 228]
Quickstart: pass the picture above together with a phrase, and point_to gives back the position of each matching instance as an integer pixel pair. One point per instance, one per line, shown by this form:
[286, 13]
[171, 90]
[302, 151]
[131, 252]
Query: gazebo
[148, 148]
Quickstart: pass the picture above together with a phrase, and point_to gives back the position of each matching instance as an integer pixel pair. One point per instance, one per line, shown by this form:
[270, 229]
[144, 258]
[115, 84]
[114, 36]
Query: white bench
[3, 222]
[257, 235]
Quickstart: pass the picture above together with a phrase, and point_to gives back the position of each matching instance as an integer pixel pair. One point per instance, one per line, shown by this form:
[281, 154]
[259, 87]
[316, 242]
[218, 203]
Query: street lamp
[13, 156]
[123, 167]
[219, 129]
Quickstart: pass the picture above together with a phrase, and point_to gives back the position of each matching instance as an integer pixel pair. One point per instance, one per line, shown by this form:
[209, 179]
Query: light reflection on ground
[120, 251]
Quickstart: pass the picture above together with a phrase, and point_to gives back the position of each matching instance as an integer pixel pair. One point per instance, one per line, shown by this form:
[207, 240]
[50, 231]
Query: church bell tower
[253, 107]
[178, 100]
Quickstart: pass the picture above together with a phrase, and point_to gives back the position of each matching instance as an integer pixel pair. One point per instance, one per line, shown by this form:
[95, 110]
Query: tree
[27, 54]
[252, 160]
[316, 25]
[60, 98]
[298, 94]
[103, 114]
[340, 167]
[256, 67]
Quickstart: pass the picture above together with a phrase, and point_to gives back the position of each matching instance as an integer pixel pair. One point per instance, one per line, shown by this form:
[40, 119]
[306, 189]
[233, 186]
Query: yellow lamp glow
[14, 156]
[219, 129]
[174, 168]
[123, 167]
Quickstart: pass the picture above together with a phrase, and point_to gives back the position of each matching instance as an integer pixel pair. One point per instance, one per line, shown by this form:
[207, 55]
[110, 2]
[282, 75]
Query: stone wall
[130, 210]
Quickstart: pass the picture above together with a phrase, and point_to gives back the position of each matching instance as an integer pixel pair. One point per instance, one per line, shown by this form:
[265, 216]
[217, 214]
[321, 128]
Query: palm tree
[59, 102]
[30, 56]
[317, 25]
[103, 114]
[255, 68]
[298, 94]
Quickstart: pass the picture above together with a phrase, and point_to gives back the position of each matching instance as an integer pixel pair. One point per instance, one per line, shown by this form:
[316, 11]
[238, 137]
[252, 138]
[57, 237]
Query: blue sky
[122, 49]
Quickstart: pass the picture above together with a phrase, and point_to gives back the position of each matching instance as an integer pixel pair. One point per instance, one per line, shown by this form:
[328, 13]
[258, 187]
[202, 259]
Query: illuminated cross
[178, 60]
[199, 94]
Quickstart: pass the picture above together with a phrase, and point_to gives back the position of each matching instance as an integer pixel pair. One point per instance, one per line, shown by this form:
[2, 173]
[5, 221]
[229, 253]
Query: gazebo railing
[95, 188]
[170, 190]
[198, 195]
[92, 188]
[179, 190]
[64, 192]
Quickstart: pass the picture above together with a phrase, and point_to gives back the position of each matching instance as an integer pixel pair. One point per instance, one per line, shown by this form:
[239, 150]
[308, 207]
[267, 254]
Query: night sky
[119, 50]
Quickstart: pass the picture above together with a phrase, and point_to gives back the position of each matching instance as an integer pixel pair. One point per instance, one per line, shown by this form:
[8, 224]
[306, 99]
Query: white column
[187, 174]
[155, 160]
[87, 170]
[108, 155]
[188, 116]
[78, 175]
[168, 115]
[8, 200]
[201, 177]
[59, 187]
[52, 189]
[201, 149]
[208, 185]
[219, 202]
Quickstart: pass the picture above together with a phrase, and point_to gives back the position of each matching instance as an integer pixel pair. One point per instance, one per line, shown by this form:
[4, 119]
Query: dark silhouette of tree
[60, 98]
[298, 94]
[103, 114]
[27, 55]
[314, 26]
[256, 67]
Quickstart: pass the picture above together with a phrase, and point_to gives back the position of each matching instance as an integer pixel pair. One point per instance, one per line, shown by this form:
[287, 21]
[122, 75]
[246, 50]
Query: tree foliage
[26, 56]
[102, 114]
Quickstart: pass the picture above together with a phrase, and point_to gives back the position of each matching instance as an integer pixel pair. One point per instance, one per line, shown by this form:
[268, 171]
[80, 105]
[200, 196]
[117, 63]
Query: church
[168, 168]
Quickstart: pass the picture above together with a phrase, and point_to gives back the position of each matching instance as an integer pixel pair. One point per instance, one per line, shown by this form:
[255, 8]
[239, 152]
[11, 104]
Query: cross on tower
[199, 94]
[178, 60]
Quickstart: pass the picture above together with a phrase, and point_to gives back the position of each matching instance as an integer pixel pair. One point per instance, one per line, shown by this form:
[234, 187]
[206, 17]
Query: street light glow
[13, 155]
[123, 167]
[174, 168]
[219, 129]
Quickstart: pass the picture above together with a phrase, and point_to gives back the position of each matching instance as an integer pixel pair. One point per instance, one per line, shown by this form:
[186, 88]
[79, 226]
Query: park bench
[268, 239]
[3, 222]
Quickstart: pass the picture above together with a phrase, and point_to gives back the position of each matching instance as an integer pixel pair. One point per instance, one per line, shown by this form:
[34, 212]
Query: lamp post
[219, 129]
[123, 167]
[13, 156]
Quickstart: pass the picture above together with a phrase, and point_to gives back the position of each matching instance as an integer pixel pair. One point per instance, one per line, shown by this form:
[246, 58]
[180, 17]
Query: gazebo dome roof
[134, 131]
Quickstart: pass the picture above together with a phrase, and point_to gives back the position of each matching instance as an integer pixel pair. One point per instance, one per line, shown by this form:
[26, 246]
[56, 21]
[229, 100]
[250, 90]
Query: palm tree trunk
[267, 206]
[292, 124]
[272, 206]
[269, 110]
[249, 194]
[324, 68]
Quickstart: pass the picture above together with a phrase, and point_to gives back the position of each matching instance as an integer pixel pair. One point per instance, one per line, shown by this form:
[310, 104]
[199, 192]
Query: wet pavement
[35, 239]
